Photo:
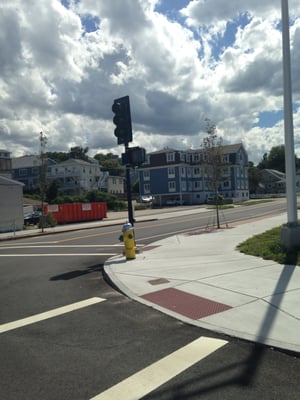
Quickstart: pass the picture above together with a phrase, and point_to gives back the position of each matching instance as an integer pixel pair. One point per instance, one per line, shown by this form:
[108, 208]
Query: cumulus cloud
[63, 62]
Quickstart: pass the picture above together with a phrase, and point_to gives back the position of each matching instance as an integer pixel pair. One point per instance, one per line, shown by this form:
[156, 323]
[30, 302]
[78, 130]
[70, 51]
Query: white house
[76, 176]
[11, 205]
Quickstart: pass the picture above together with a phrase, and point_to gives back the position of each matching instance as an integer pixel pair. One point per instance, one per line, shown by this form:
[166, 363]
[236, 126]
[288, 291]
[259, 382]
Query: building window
[197, 171]
[35, 170]
[171, 172]
[196, 157]
[197, 185]
[182, 157]
[146, 175]
[170, 157]
[183, 186]
[172, 186]
[226, 171]
[189, 172]
[183, 172]
[23, 172]
[147, 188]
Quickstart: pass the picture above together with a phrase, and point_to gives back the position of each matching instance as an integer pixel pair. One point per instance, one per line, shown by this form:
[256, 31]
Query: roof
[9, 182]
[164, 150]
[229, 148]
[72, 161]
[26, 162]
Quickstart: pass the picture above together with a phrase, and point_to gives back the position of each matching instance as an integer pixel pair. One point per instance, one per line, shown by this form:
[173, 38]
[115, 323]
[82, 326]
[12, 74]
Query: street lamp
[290, 233]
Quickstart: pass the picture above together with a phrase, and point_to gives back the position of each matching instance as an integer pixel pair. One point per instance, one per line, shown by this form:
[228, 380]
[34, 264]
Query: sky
[184, 64]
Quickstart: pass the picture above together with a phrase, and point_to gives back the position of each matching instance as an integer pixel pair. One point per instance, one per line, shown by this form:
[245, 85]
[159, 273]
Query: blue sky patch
[267, 119]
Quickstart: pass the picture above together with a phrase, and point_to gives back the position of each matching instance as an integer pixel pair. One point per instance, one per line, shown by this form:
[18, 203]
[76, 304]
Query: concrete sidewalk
[198, 277]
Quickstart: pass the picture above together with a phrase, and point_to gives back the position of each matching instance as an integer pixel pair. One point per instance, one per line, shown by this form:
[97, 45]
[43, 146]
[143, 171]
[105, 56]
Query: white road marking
[57, 255]
[145, 381]
[29, 246]
[49, 314]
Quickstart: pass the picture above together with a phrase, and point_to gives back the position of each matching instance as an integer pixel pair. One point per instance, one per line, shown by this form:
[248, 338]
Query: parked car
[214, 199]
[146, 199]
[32, 218]
[171, 202]
[174, 202]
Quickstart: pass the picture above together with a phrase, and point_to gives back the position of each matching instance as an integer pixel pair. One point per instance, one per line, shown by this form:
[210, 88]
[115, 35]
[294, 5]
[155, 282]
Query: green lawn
[267, 245]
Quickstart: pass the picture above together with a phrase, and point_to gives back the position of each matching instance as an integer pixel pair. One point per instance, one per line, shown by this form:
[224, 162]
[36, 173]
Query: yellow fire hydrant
[129, 242]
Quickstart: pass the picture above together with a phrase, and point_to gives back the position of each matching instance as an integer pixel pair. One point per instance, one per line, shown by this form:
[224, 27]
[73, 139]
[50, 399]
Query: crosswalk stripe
[145, 381]
[49, 314]
[57, 255]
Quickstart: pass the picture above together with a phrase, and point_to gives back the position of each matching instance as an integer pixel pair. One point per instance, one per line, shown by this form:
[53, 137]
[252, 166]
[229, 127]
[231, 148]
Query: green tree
[213, 162]
[254, 175]
[57, 156]
[110, 163]
[274, 160]
[79, 153]
[52, 191]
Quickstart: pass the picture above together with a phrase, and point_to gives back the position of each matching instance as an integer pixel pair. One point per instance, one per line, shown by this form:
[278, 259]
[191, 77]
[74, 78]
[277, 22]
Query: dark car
[215, 199]
[32, 218]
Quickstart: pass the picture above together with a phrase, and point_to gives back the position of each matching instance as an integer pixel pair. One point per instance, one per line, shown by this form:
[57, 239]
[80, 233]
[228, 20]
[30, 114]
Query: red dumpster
[77, 212]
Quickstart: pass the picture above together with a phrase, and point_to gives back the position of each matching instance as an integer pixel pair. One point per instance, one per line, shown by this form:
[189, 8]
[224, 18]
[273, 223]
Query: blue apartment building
[180, 176]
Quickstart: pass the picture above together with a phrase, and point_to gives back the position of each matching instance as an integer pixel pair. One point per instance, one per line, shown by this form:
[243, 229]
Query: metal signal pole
[290, 232]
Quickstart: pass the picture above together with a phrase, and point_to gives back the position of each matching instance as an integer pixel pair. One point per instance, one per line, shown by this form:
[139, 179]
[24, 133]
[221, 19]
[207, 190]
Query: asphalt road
[104, 344]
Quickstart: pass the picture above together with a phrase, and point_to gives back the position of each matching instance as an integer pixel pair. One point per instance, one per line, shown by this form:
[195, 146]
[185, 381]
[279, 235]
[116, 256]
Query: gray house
[11, 205]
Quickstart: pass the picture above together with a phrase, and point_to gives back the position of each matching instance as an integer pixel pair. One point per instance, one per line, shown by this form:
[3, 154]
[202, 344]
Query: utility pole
[290, 233]
[43, 142]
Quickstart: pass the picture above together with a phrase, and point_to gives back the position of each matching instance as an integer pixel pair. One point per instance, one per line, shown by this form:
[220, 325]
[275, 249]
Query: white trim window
[225, 158]
[171, 172]
[172, 186]
[197, 171]
[197, 185]
[170, 157]
[147, 188]
[196, 157]
[146, 175]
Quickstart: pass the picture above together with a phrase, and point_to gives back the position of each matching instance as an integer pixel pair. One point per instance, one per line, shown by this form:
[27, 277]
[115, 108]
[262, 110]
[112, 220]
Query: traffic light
[134, 156]
[122, 120]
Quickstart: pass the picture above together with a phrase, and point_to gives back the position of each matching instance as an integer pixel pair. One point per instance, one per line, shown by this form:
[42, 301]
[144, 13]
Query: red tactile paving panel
[189, 305]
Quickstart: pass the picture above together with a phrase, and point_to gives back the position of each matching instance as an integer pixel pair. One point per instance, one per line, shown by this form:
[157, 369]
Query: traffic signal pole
[133, 156]
[129, 197]
[123, 131]
[290, 233]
